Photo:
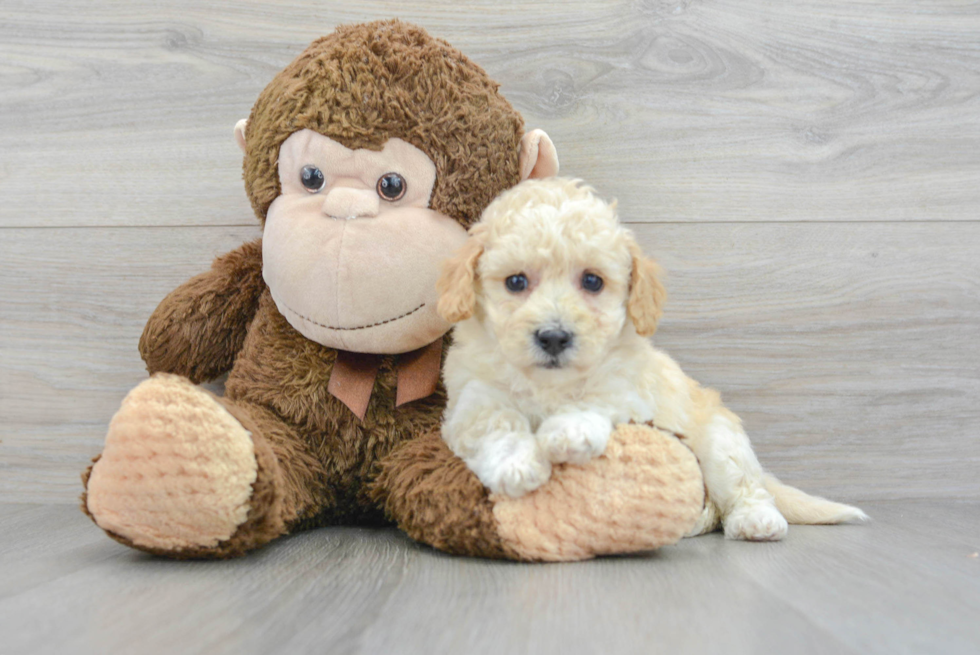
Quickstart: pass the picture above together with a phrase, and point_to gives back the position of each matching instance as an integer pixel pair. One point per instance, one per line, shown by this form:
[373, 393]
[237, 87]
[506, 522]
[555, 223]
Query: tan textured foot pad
[646, 491]
[177, 469]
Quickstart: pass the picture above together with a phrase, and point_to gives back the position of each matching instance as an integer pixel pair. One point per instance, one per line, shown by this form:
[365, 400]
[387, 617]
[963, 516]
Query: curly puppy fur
[543, 368]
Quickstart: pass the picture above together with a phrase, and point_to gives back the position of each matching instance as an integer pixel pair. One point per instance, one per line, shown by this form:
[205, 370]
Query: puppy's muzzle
[553, 342]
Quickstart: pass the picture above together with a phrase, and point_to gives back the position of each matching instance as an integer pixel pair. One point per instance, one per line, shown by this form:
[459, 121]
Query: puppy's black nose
[553, 342]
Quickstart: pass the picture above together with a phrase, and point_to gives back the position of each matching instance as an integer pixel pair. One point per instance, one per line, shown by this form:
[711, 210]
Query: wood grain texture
[905, 583]
[806, 172]
[745, 110]
[849, 350]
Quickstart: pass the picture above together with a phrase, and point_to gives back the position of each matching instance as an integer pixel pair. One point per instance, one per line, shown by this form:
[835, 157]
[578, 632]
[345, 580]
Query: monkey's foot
[177, 472]
[644, 492]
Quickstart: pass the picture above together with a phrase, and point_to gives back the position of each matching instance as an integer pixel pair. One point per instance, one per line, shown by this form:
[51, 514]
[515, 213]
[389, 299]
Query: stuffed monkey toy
[365, 160]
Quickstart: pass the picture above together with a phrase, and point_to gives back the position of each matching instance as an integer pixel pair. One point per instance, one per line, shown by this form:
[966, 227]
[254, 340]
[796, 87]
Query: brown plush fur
[199, 328]
[364, 84]
[328, 462]
[318, 464]
[438, 501]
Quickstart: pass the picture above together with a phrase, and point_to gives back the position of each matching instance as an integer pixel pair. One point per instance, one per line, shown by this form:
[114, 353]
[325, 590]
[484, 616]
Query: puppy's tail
[802, 508]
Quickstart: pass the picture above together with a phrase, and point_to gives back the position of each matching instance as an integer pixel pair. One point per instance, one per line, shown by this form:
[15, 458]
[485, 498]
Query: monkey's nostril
[553, 342]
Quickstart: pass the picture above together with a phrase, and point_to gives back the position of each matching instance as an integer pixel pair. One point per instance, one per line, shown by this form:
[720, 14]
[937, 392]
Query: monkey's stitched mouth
[359, 327]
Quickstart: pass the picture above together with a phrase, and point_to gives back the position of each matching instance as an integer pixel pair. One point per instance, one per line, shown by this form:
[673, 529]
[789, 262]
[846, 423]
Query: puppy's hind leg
[735, 481]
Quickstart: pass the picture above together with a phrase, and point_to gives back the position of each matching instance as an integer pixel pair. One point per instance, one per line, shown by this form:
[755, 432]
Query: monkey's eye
[516, 283]
[592, 282]
[392, 186]
[312, 178]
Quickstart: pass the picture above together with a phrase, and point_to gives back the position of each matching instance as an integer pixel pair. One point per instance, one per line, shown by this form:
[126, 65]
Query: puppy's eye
[392, 186]
[312, 178]
[516, 283]
[592, 282]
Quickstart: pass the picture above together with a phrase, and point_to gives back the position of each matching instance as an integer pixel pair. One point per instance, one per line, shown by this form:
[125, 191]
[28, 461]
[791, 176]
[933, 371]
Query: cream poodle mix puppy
[555, 303]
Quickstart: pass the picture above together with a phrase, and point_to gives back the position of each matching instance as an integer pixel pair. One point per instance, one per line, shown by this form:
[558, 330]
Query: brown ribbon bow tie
[353, 376]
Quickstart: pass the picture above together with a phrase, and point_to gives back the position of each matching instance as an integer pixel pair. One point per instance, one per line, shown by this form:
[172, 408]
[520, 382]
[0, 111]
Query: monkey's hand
[200, 326]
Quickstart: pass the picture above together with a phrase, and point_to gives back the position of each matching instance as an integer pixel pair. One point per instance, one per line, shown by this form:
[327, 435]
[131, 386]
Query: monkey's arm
[197, 330]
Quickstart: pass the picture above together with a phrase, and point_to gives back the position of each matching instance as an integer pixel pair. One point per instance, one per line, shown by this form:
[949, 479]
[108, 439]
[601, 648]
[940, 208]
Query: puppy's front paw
[755, 522]
[512, 464]
[575, 437]
[521, 475]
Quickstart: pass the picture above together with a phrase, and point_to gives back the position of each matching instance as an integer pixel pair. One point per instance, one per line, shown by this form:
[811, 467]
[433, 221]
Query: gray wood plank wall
[807, 172]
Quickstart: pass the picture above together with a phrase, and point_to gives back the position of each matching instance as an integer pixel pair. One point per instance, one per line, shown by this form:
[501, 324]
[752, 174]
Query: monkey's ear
[647, 295]
[538, 156]
[240, 133]
[457, 284]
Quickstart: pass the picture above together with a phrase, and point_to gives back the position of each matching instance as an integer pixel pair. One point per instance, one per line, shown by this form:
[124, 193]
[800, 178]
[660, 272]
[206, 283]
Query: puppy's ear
[647, 294]
[457, 284]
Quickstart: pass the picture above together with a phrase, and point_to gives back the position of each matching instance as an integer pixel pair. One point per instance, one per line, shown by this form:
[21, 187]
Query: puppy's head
[552, 277]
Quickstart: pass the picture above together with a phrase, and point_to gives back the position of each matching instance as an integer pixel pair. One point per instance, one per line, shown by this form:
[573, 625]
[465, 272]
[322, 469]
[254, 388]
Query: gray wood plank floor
[909, 582]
